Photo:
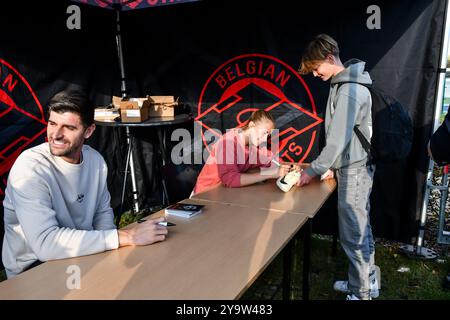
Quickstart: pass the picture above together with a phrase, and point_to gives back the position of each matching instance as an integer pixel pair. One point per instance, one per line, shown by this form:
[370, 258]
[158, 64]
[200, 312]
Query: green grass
[129, 217]
[422, 282]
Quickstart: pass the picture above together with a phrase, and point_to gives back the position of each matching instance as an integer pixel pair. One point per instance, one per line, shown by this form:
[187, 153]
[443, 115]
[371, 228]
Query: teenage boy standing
[349, 105]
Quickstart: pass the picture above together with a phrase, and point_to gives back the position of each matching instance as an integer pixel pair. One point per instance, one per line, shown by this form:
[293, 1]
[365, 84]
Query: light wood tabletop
[214, 255]
[306, 200]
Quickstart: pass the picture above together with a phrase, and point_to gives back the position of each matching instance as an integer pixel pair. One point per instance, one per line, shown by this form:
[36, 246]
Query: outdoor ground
[423, 281]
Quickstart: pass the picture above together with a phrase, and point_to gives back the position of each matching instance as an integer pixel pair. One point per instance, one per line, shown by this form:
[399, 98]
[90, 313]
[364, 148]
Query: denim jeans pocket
[351, 171]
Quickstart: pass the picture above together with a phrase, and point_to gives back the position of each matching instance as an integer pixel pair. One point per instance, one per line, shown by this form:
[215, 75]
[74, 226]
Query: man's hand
[304, 179]
[143, 234]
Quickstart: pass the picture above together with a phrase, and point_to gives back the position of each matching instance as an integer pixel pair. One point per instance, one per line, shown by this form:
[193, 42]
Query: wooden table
[215, 255]
[306, 200]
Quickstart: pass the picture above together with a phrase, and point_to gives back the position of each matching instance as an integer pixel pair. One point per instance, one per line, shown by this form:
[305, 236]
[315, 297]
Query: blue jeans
[355, 231]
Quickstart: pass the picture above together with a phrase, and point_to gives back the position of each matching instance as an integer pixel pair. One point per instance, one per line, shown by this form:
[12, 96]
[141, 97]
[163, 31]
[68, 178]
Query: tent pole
[123, 86]
[437, 113]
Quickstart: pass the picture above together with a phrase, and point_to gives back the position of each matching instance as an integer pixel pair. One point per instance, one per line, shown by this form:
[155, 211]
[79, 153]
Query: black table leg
[287, 270]
[306, 258]
[130, 140]
[122, 199]
[163, 158]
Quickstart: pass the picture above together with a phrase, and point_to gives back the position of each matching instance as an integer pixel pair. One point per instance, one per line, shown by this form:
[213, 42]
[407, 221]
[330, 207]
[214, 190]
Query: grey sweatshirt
[55, 209]
[346, 107]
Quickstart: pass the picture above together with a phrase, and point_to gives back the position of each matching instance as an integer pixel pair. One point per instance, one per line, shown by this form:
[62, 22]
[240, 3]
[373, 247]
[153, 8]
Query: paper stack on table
[184, 210]
[106, 114]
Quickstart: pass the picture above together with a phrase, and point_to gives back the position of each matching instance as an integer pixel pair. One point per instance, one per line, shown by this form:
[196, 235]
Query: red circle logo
[22, 119]
[257, 81]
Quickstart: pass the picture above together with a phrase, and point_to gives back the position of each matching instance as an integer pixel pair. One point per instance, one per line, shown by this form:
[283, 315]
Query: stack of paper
[105, 114]
[184, 210]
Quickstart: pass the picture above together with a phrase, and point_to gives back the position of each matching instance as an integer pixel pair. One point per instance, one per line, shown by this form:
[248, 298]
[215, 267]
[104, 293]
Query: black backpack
[440, 142]
[392, 135]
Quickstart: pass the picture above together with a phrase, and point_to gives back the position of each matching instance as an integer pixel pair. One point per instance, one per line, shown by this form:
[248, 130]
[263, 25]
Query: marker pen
[162, 223]
[276, 162]
[166, 224]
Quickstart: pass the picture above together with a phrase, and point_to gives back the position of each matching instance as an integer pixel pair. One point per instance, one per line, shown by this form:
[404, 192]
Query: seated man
[57, 204]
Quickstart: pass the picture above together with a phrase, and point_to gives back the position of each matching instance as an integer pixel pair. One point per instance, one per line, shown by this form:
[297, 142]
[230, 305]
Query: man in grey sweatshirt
[57, 204]
[349, 105]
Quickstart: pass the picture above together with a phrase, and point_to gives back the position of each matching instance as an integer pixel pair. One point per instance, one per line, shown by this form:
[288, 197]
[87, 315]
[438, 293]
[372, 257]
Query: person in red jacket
[237, 152]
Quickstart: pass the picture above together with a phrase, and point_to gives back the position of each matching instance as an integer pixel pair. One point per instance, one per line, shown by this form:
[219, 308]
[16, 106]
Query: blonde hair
[258, 116]
[317, 51]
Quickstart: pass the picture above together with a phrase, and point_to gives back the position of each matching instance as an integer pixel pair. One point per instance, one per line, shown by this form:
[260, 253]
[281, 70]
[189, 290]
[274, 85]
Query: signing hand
[143, 234]
[274, 171]
[283, 170]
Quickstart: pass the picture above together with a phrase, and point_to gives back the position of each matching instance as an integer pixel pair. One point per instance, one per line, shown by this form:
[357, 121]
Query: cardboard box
[140, 109]
[133, 109]
[162, 106]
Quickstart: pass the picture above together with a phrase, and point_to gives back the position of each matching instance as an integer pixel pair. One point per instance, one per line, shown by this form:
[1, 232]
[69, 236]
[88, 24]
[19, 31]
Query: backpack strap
[362, 139]
[364, 142]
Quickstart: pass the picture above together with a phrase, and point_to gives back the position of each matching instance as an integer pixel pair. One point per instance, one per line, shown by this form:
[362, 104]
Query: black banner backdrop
[223, 60]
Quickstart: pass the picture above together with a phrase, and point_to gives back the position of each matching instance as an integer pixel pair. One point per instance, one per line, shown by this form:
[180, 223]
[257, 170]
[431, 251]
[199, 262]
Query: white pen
[162, 223]
[276, 162]
[166, 224]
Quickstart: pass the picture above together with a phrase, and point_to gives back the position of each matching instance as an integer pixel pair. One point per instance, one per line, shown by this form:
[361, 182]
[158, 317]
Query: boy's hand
[327, 175]
[304, 179]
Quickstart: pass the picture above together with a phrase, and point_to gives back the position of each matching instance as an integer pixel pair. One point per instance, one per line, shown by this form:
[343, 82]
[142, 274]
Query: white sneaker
[285, 183]
[342, 286]
[353, 297]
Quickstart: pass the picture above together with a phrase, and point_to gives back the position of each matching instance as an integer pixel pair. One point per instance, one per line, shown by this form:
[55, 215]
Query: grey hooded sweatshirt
[346, 107]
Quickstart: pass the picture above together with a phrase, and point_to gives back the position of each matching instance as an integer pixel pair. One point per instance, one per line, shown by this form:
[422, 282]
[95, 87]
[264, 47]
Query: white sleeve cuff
[111, 239]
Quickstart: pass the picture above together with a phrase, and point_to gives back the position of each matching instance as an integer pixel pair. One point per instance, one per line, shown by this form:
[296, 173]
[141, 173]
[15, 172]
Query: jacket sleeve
[339, 134]
[33, 206]
[104, 216]
[226, 157]
[266, 156]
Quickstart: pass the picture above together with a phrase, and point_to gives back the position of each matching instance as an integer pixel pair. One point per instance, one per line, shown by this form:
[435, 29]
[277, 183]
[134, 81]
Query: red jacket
[229, 158]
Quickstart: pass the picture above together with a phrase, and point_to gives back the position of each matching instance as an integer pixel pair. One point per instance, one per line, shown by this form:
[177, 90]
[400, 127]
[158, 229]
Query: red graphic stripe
[214, 107]
[6, 164]
[13, 144]
[12, 105]
[42, 120]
